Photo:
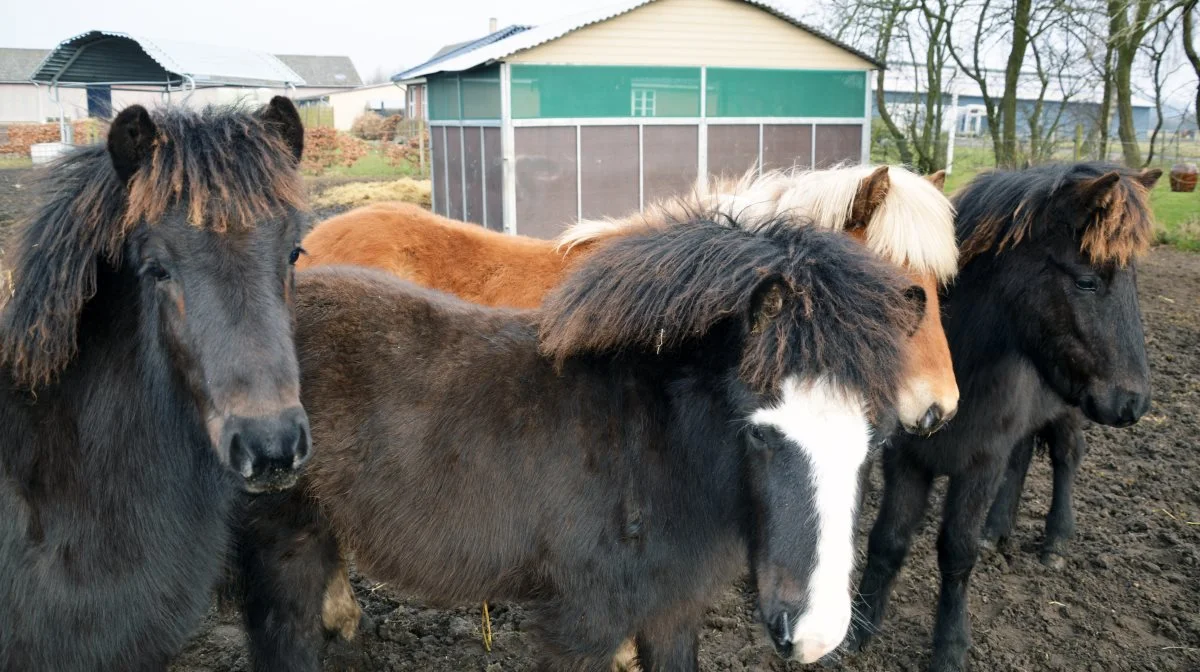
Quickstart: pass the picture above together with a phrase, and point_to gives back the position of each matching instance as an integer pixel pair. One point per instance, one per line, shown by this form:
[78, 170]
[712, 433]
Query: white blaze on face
[830, 426]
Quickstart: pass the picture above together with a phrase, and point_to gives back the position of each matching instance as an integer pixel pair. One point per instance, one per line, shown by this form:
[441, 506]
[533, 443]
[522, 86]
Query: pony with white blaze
[900, 216]
[692, 399]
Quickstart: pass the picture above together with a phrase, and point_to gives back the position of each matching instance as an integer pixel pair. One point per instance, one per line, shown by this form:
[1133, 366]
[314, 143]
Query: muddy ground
[1128, 599]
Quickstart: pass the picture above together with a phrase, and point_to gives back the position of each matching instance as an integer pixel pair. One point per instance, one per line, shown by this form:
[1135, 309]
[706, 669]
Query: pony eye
[756, 434]
[1087, 283]
[295, 255]
[155, 270]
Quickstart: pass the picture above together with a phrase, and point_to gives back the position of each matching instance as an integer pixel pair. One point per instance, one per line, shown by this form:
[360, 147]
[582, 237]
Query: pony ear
[1149, 177]
[131, 140]
[872, 191]
[1094, 192]
[937, 179]
[281, 116]
[766, 303]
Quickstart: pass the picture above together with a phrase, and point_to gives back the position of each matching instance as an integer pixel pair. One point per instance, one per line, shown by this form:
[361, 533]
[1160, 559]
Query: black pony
[1043, 318]
[699, 395]
[147, 374]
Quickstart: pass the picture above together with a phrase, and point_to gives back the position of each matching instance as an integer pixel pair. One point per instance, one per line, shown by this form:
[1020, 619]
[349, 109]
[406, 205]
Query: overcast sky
[379, 36]
[375, 34]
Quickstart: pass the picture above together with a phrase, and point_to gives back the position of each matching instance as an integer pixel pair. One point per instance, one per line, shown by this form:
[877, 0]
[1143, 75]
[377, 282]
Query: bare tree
[893, 30]
[987, 26]
[1056, 50]
[1189, 46]
[1157, 50]
[1129, 22]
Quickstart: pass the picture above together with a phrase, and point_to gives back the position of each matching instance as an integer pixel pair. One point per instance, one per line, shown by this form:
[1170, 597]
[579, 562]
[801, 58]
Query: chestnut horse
[690, 399]
[900, 216]
[147, 375]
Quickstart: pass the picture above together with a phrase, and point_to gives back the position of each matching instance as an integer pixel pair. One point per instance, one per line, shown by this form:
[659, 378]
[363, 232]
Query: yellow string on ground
[487, 629]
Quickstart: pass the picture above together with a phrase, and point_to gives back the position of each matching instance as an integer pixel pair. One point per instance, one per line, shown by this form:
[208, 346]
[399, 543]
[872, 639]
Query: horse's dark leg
[905, 494]
[579, 635]
[967, 502]
[670, 644]
[1067, 446]
[1003, 514]
[287, 555]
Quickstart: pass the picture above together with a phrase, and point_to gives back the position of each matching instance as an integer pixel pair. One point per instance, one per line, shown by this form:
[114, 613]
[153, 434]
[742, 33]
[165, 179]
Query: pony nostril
[781, 635]
[931, 420]
[302, 448]
[239, 456]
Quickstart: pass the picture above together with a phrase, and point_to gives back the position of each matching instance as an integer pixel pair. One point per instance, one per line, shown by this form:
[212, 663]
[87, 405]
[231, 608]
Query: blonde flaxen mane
[913, 227]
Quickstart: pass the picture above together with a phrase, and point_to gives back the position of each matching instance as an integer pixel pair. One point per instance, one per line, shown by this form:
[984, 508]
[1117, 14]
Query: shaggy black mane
[1000, 209]
[660, 289]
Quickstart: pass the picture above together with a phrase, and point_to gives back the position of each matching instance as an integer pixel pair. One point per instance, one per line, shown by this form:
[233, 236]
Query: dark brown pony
[147, 375]
[897, 214]
[688, 399]
[1042, 320]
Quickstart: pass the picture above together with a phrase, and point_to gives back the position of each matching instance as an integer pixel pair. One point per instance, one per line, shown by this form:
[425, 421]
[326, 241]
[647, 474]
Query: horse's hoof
[988, 546]
[1054, 560]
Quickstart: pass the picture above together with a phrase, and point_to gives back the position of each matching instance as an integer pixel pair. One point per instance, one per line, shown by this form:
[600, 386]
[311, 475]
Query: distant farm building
[204, 73]
[1066, 102]
[349, 104]
[604, 112]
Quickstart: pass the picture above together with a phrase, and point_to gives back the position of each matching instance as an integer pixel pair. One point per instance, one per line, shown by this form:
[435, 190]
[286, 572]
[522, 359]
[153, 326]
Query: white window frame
[649, 102]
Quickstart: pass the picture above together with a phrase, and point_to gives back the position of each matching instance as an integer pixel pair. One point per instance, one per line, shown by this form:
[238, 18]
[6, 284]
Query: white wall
[29, 104]
[350, 105]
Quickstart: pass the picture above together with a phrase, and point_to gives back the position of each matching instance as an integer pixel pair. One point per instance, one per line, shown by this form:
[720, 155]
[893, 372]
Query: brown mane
[222, 168]
[1118, 228]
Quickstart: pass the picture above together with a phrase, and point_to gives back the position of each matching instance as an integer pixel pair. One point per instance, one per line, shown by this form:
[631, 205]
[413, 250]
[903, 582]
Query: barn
[603, 112]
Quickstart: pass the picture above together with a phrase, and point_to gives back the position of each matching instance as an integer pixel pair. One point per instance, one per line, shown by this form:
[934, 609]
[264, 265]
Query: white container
[45, 152]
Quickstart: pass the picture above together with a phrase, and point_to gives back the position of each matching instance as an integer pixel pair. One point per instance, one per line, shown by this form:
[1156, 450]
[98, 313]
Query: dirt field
[1129, 598]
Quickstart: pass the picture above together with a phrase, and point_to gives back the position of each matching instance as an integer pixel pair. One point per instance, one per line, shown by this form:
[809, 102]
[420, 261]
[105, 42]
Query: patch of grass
[1177, 215]
[13, 161]
[405, 189]
[374, 165]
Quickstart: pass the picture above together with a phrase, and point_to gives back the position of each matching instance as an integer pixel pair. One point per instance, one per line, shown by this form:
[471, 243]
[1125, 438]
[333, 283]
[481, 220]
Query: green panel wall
[744, 92]
[480, 95]
[567, 91]
[443, 97]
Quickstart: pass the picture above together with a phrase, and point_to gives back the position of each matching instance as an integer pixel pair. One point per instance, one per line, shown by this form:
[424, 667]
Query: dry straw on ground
[405, 189]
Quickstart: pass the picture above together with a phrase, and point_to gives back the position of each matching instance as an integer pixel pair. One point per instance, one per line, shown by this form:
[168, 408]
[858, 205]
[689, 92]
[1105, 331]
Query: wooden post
[421, 145]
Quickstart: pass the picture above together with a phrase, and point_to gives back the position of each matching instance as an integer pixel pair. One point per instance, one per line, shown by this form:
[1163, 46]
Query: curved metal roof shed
[105, 58]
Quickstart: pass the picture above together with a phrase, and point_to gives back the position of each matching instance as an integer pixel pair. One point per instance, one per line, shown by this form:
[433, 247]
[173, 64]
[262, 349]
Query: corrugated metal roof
[455, 50]
[16, 65]
[474, 55]
[324, 71]
[102, 56]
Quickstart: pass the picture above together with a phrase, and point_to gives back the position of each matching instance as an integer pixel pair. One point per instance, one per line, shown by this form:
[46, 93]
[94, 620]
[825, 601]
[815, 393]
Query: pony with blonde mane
[902, 217]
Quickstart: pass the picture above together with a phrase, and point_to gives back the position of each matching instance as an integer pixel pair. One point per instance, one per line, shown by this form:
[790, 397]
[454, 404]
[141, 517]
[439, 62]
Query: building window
[643, 103]
[412, 102]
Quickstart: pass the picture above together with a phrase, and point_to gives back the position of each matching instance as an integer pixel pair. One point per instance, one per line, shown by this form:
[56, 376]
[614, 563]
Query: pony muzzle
[923, 410]
[809, 637]
[267, 451]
